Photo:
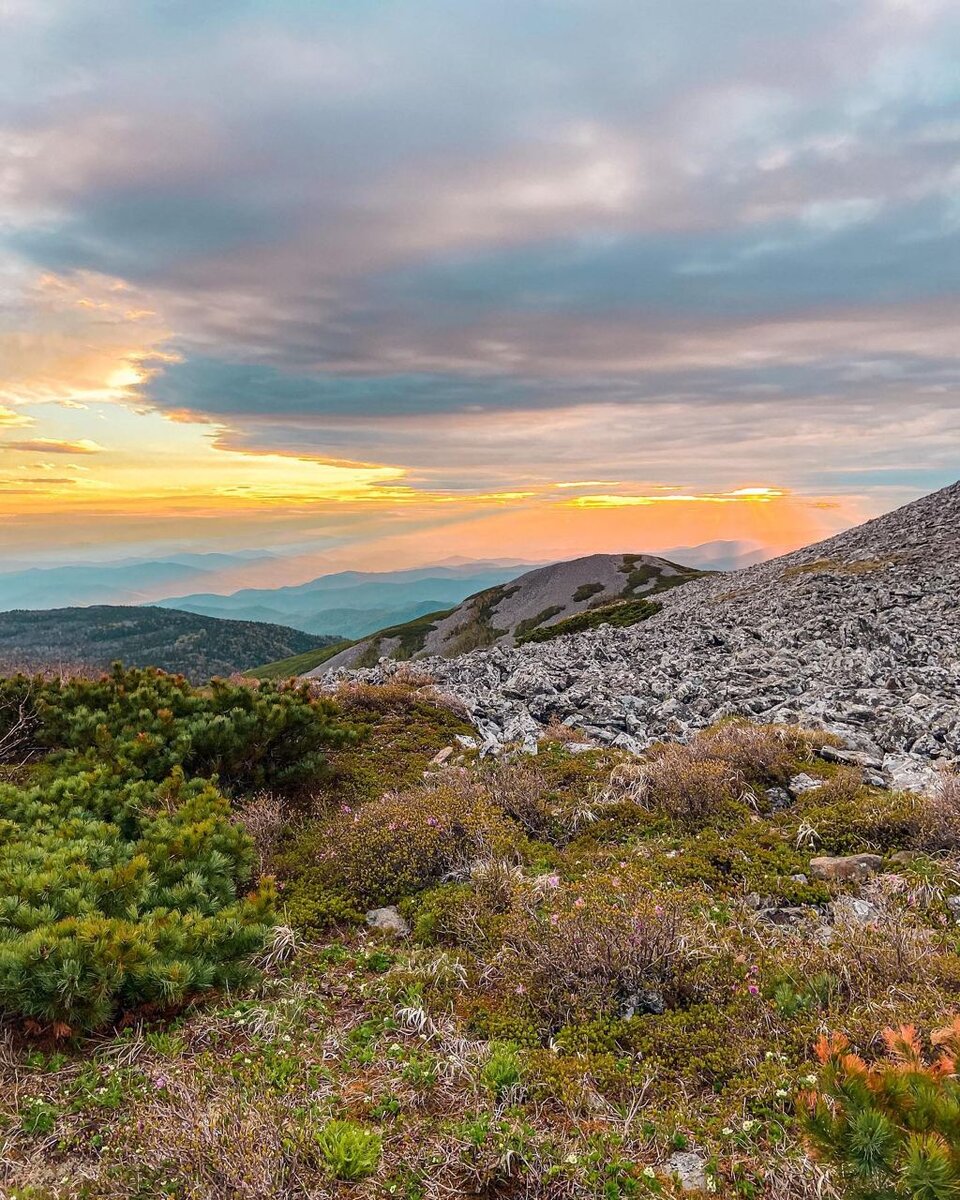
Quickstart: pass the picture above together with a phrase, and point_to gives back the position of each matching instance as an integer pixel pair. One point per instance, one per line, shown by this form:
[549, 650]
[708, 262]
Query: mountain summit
[859, 633]
[535, 607]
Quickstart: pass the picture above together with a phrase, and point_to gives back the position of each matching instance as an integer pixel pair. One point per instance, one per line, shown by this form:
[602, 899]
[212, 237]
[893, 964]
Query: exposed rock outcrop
[859, 634]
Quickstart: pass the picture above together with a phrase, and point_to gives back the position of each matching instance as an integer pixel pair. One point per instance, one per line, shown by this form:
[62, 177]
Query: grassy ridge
[297, 664]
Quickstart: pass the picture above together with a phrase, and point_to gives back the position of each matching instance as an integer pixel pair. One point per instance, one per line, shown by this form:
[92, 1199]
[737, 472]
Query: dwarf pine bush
[146, 723]
[892, 1128]
[116, 893]
[123, 878]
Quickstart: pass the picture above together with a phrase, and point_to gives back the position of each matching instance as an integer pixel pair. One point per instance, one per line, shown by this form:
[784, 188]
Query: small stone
[803, 783]
[844, 869]
[388, 920]
[779, 798]
[854, 911]
[441, 756]
[467, 742]
[642, 1002]
[788, 915]
[689, 1169]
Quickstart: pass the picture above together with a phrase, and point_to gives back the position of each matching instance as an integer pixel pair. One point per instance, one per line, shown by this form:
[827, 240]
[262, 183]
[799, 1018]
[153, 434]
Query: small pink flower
[552, 881]
[520, 989]
[554, 919]
[753, 990]
[579, 902]
[658, 911]
[432, 821]
[345, 808]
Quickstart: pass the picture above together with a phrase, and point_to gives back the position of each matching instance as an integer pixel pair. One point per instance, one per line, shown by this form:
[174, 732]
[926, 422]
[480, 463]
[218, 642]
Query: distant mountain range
[345, 604]
[180, 642]
[126, 581]
[352, 603]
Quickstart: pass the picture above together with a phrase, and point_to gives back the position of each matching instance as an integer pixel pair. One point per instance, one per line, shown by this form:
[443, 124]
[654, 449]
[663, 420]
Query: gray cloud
[355, 217]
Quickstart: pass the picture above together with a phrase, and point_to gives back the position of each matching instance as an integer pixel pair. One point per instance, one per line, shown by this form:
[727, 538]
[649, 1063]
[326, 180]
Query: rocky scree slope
[532, 607]
[859, 634]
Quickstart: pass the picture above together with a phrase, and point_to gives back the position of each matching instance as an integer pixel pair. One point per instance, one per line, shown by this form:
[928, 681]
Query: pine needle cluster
[891, 1128]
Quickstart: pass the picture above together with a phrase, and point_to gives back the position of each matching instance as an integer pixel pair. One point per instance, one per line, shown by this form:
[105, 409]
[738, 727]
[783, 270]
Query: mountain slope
[532, 607]
[196, 646]
[860, 633]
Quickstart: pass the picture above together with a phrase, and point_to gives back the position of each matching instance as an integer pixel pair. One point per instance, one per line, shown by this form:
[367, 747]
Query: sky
[376, 283]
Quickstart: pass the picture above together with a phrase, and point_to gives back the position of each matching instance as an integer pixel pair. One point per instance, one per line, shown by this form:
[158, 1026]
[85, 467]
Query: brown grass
[859, 566]
[939, 815]
[676, 783]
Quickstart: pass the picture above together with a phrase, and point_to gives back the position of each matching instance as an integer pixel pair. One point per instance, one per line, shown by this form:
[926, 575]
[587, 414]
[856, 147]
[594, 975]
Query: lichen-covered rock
[689, 1168]
[388, 920]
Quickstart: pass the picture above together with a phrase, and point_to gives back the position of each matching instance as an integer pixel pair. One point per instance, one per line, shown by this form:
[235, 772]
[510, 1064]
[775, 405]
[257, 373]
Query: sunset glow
[627, 301]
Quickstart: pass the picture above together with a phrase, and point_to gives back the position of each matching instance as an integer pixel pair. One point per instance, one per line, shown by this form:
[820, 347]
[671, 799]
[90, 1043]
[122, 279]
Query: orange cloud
[753, 495]
[54, 446]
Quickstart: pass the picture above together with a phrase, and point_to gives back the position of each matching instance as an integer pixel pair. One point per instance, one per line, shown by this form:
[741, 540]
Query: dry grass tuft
[557, 731]
[265, 817]
[939, 816]
[677, 784]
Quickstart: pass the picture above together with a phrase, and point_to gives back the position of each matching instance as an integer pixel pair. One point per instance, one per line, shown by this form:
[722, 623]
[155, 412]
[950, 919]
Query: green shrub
[503, 1069]
[147, 723]
[848, 818]
[620, 613]
[752, 858]
[893, 1128]
[586, 590]
[534, 622]
[116, 894]
[349, 1151]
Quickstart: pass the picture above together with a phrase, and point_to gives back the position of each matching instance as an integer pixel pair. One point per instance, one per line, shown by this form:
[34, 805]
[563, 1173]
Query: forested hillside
[184, 643]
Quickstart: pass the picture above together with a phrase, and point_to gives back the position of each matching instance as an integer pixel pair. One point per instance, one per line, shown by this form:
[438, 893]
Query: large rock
[689, 1168]
[851, 868]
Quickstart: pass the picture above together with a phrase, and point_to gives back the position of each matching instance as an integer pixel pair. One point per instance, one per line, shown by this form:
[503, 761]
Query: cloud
[12, 420]
[53, 446]
[497, 248]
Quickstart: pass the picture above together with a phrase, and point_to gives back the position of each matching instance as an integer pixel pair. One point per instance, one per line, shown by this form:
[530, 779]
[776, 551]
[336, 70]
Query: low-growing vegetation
[620, 613]
[592, 975]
